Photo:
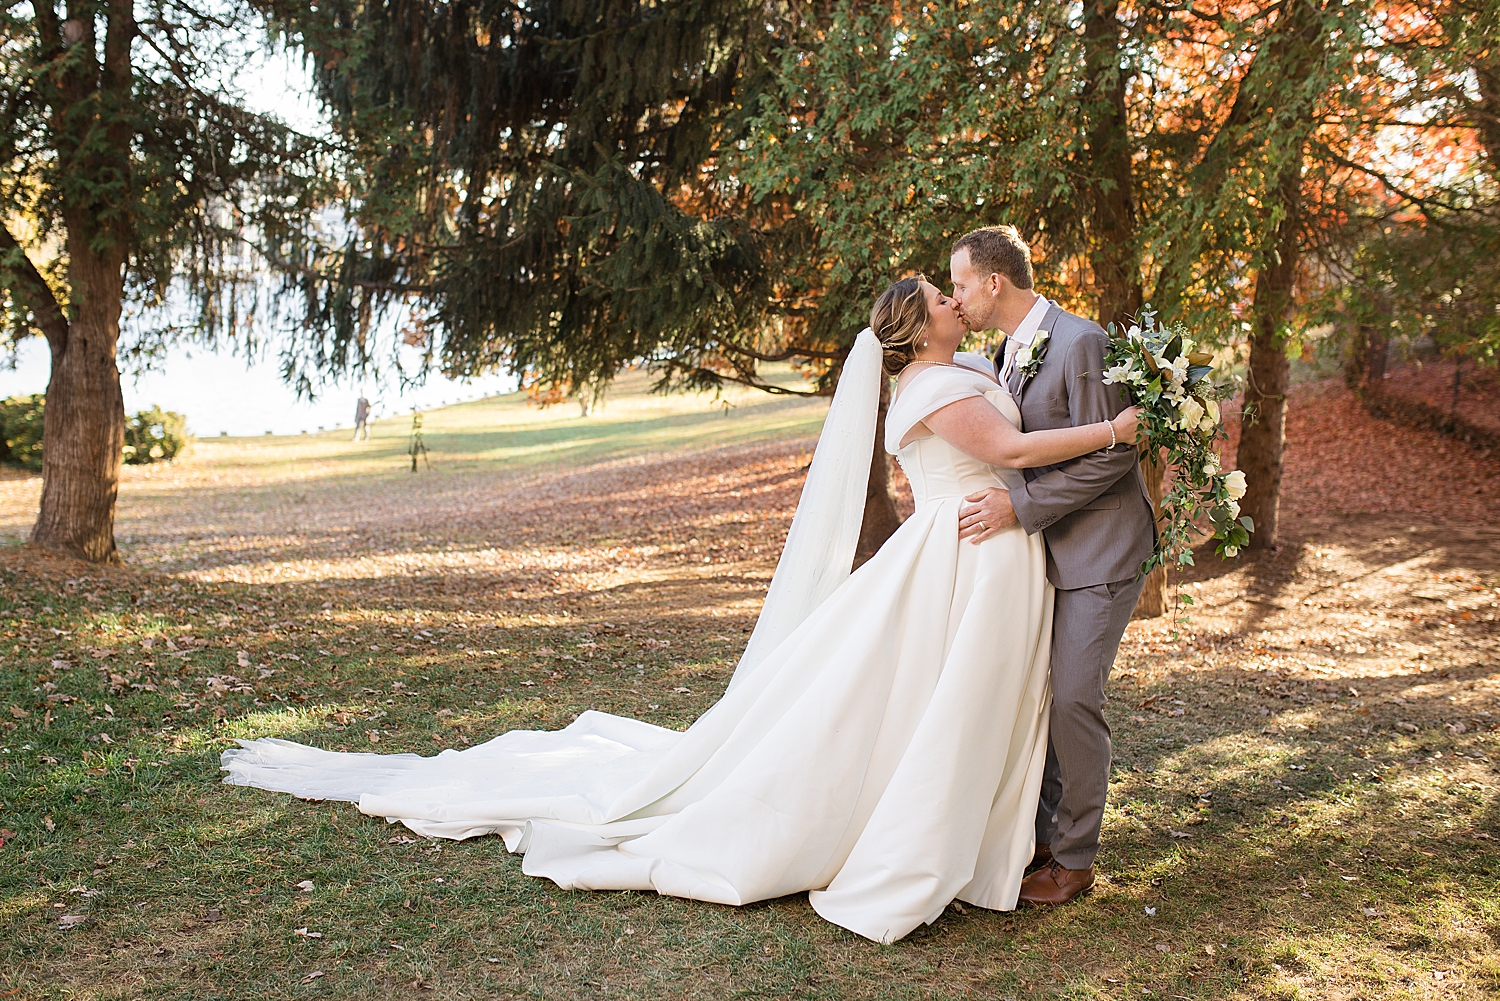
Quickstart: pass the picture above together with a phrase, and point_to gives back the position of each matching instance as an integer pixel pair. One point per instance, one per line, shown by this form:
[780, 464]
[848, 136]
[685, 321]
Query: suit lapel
[1049, 319]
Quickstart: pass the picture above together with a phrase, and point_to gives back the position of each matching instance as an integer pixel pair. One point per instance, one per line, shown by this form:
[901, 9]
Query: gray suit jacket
[1093, 511]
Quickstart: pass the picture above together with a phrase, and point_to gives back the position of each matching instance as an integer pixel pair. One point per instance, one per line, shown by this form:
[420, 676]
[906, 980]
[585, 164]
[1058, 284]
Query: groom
[1098, 524]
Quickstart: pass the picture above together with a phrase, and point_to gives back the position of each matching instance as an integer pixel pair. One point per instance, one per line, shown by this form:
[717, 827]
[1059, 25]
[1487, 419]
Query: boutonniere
[1029, 357]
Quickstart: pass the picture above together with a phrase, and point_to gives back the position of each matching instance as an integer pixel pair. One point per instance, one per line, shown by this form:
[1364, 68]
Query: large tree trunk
[1364, 368]
[1112, 235]
[1263, 429]
[881, 519]
[1298, 44]
[1113, 256]
[84, 421]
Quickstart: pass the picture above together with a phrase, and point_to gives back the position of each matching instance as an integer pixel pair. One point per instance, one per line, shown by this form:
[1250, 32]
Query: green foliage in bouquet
[21, 430]
[155, 435]
[1179, 390]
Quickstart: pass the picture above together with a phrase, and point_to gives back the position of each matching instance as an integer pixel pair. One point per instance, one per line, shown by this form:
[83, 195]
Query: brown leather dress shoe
[1042, 857]
[1052, 884]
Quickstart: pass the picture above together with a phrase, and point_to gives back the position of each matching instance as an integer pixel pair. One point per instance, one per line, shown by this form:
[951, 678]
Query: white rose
[1207, 424]
[1211, 406]
[1179, 372]
[1235, 483]
[1212, 465]
[1234, 509]
[1190, 414]
[1231, 550]
[1134, 332]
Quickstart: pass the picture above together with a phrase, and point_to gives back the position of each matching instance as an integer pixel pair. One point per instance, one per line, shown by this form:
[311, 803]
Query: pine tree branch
[754, 383]
[795, 351]
[1390, 184]
[28, 283]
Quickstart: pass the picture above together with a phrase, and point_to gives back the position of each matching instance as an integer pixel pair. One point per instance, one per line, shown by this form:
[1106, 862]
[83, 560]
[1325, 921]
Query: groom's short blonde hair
[999, 250]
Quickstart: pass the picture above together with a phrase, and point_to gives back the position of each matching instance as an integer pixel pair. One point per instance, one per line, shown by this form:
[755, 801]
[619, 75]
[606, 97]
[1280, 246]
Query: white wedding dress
[881, 747]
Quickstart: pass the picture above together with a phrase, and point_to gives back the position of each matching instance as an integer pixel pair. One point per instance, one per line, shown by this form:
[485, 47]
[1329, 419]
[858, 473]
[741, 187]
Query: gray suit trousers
[1087, 625]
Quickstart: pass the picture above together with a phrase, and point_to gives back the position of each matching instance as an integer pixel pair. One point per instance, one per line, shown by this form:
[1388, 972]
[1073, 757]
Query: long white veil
[820, 545]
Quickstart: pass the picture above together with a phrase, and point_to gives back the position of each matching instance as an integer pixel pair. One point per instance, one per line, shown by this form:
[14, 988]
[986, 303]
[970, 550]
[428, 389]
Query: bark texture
[1298, 47]
[1263, 428]
[1113, 255]
[84, 421]
[1364, 368]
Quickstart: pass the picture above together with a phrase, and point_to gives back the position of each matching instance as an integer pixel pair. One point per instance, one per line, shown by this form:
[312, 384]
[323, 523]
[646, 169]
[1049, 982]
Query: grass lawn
[1304, 792]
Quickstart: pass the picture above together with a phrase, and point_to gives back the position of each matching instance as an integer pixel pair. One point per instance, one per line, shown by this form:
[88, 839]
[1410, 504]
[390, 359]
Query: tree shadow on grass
[1381, 808]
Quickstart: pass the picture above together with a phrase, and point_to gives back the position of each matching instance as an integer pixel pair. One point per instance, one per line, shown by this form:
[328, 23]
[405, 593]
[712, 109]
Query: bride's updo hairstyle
[898, 319]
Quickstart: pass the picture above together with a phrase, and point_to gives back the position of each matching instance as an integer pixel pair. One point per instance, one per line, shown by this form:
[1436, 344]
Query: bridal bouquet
[1165, 373]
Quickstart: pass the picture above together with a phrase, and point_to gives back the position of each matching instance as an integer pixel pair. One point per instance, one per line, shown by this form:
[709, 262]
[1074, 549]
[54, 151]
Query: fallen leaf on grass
[314, 975]
[1163, 947]
[71, 920]
[6, 835]
[1369, 912]
[683, 691]
[1150, 912]
[306, 886]
[18, 712]
[1179, 834]
[308, 934]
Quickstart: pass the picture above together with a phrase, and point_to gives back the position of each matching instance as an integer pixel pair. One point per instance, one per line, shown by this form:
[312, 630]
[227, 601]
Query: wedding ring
[981, 526]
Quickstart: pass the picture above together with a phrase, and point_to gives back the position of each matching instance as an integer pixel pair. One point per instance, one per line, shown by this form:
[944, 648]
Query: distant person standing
[362, 419]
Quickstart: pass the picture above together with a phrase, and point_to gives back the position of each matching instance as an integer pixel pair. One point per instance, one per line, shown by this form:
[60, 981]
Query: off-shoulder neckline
[902, 390]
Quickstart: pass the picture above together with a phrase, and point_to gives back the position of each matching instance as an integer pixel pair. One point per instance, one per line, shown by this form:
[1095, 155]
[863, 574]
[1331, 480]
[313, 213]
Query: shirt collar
[1027, 331]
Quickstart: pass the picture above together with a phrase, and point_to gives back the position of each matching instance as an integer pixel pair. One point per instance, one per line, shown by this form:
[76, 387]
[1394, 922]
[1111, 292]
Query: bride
[881, 742]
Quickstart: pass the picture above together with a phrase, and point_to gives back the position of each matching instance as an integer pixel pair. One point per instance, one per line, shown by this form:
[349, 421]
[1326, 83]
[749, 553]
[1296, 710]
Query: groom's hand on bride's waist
[985, 514]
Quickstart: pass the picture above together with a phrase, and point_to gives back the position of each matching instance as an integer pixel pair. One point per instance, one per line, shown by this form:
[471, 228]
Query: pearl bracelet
[1111, 433]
